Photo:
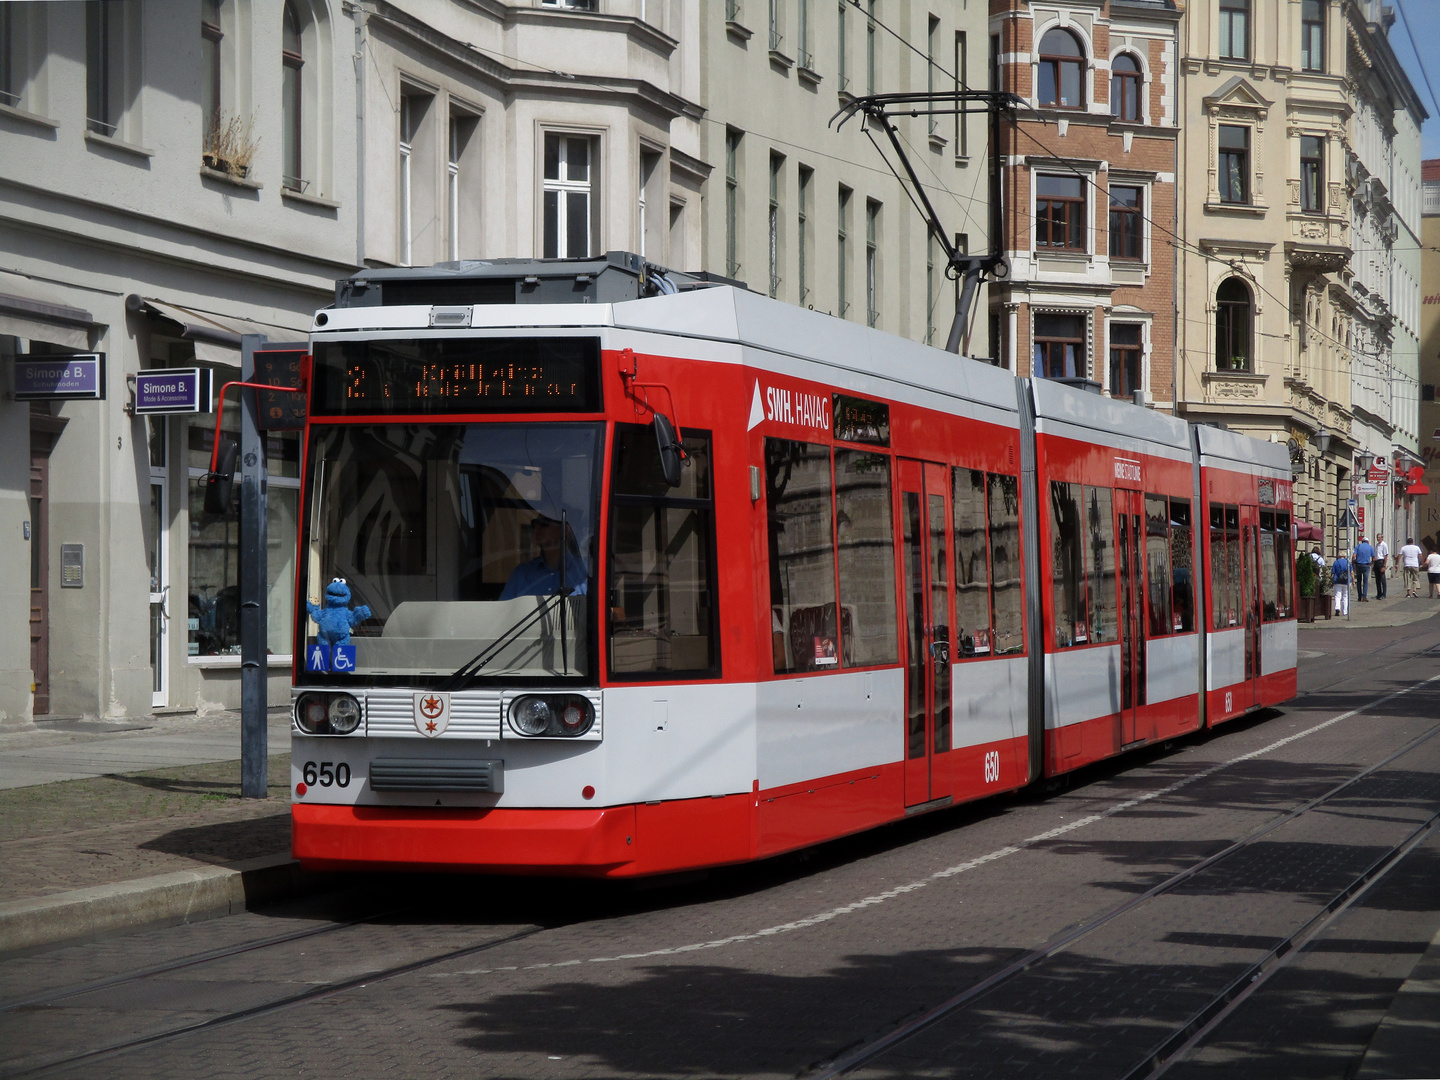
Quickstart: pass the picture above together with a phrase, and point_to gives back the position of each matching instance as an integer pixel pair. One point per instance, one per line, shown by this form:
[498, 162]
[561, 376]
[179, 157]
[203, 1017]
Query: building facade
[1427, 504]
[177, 173]
[813, 215]
[1088, 205]
[1299, 129]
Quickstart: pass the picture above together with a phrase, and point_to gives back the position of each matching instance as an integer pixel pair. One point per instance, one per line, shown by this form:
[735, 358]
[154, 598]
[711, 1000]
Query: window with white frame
[567, 195]
[292, 92]
[649, 200]
[777, 175]
[1234, 163]
[732, 202]
[462, 179]
[872, 262]
[1126, 359]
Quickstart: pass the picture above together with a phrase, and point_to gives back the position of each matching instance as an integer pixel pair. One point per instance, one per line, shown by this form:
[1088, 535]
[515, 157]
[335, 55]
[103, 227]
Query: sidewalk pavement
[1394, 610]
[106, 826]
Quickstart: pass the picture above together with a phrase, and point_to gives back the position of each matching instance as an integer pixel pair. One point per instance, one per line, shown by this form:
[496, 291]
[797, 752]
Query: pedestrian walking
[1410, 556]
[1364, 556]
[1340, 575]
[1432, 569]
[1382, 557]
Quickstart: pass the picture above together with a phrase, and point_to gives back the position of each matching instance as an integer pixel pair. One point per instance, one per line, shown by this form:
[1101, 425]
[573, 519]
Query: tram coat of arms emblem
[432, 713]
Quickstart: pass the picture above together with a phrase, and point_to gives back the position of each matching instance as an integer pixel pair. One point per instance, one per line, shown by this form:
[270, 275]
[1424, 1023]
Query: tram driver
[541, 575]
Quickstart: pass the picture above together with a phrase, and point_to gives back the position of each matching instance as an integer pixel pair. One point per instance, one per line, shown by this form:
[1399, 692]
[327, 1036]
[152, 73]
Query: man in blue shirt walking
[1364, 556]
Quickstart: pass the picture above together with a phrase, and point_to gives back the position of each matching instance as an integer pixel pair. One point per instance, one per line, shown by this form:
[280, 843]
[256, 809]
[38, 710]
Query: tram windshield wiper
[461, 676]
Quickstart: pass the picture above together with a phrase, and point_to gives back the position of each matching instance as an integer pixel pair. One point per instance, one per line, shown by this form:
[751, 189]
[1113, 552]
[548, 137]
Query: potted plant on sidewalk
[1306, 581]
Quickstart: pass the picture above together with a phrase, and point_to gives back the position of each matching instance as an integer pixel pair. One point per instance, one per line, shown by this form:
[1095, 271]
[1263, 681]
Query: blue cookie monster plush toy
[337, 618]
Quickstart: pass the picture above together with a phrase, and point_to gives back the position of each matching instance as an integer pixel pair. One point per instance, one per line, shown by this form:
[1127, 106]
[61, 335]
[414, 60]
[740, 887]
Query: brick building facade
[1088, 207]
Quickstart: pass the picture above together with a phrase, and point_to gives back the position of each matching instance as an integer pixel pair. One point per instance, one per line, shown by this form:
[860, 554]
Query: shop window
[214, 544]
[661, 593]
[801, 557]
[866, 553]
[1061, 70]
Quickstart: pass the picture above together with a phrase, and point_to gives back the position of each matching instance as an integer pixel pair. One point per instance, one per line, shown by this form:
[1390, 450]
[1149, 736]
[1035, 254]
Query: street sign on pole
[1348, 520]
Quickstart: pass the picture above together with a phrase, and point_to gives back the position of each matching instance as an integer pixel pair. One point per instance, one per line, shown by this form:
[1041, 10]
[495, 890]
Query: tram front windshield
[462, 540]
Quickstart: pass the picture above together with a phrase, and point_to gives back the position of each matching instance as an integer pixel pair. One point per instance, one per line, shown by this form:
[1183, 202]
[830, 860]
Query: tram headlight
[530, 715]
[327, 714]
[311, 714]
[344, 714]
[552, 715]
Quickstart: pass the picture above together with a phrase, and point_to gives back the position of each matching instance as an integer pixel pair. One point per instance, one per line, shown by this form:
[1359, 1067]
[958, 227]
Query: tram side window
[1218, 588]
[1067, 564]
[1234, 612]
[1006, 592]
[1182, 566]
[661, 592]
[1100, 564]
[802, 559]
[866, 555]
[972, 563]
[1284, 565]
[1269, 582]
[1157, 559]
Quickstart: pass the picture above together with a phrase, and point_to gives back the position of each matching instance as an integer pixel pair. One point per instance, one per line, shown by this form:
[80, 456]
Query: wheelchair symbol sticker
[317, 657]
[343, 658]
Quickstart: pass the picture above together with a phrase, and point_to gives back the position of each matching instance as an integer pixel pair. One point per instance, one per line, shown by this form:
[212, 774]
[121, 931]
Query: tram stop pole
[254, 736]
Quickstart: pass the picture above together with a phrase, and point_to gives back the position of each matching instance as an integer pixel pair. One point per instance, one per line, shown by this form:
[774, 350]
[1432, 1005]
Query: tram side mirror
[218, 484]
[672, 451]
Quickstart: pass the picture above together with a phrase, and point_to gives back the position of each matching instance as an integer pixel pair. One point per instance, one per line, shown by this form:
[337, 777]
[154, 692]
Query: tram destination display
[457, 375]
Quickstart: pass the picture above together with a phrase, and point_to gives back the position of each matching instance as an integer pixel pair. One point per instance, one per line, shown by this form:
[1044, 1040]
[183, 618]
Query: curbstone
[165, 899]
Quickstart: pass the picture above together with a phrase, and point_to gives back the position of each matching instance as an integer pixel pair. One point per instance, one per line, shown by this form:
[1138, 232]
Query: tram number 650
[327, 773]
[992, 766]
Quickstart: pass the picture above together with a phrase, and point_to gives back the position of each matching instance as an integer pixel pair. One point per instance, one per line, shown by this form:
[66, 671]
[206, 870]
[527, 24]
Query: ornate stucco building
[1299, 187]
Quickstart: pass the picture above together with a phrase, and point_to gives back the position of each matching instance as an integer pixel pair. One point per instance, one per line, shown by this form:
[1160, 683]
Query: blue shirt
[539, 578]
[1340, 569]
[1364, 553]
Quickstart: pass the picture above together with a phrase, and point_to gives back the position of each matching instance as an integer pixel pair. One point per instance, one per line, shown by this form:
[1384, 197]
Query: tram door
[925, 525]
[1130, 568]
[1250, 602]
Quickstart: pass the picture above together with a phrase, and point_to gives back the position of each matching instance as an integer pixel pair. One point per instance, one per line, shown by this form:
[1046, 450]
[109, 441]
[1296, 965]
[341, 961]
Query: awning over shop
[40, 320]
[1305, 531]
[216, 337]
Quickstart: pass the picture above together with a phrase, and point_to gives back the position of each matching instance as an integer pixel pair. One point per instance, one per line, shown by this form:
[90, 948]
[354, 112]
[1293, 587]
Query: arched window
[1062, 68]
[293, 59]
[1234, 313]
[1125, 87]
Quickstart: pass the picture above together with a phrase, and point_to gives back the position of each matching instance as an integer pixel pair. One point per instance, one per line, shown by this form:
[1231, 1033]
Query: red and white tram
[886, 580]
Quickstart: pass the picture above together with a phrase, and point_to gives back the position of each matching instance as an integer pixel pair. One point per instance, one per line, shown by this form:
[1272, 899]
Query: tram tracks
[1200, 1022]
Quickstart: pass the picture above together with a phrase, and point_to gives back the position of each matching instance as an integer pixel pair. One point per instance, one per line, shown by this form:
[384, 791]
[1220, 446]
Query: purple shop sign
[162, 391]
[42, 378]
